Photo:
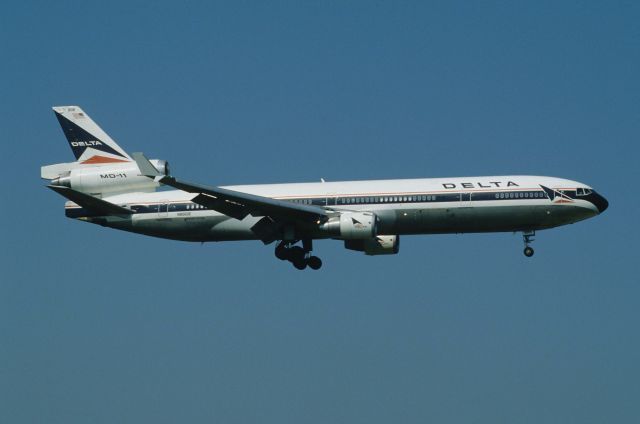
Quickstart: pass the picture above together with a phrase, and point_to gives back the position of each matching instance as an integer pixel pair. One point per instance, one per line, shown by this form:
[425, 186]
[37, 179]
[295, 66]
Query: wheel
[300, 263]
[296, 254]
[282, 252]
[528, 252]
[314, 262]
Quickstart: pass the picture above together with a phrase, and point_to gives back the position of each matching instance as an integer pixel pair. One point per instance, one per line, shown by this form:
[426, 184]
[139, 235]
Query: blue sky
[102, 326]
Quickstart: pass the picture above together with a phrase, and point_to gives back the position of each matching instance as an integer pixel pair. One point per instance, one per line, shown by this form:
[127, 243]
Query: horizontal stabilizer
[146, 168]
[91, 203]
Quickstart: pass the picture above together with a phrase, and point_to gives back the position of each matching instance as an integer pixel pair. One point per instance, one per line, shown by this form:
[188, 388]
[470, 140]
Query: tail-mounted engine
[113, 178]
[379, 245]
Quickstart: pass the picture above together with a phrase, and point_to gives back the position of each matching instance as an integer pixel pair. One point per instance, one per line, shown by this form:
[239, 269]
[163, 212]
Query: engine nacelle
[113, 178]
[379, 245]
[352, 225]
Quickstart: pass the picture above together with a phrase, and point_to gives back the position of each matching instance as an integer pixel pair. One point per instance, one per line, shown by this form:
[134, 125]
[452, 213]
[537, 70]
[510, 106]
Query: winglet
[146, 168]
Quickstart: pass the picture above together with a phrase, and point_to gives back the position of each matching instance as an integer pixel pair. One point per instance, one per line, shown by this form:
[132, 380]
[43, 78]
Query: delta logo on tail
[80, 140]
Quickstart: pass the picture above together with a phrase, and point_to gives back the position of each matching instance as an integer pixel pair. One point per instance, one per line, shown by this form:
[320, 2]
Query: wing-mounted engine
[379, 245]
[351, 225]
[109, 179]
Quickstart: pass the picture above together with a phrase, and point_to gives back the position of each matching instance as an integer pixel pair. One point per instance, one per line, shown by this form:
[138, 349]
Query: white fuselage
[410, 206]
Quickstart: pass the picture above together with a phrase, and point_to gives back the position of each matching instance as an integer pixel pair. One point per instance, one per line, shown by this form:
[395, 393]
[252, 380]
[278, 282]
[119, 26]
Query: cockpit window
[583, 191]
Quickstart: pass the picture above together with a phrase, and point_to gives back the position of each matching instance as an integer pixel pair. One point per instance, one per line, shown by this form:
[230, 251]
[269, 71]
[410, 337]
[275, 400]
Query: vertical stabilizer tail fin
[89, 143]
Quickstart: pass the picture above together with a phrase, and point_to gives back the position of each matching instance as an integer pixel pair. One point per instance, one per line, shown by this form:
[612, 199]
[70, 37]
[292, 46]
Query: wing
[238, 205]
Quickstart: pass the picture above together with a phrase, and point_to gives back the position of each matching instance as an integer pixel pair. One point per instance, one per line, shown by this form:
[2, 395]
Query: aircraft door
[163, 209]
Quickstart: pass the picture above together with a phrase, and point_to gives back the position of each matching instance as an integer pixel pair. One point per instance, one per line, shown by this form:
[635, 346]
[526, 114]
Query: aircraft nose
[601, 203]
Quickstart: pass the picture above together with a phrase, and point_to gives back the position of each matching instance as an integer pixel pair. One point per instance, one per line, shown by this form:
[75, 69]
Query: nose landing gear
[300, 257]
[527, 236]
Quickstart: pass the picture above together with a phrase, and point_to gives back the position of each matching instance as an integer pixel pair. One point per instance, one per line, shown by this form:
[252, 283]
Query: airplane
[107, 186]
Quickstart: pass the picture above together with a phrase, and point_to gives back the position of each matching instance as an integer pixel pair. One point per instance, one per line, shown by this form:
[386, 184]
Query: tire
[314, 262]
[528, 252]
[300, 264]
[296, 254]
[282, 253]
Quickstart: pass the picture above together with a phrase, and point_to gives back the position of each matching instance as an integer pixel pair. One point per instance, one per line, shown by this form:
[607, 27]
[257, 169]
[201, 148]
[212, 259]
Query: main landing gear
[527, 236]
[300, 257]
